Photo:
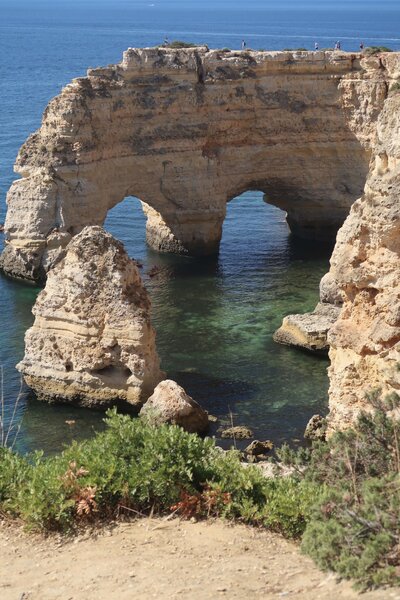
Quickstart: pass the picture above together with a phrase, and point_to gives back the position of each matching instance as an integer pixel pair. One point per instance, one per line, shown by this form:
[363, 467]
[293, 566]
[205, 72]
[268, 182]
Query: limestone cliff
[92, 343]
[365, 341]
[188, 130]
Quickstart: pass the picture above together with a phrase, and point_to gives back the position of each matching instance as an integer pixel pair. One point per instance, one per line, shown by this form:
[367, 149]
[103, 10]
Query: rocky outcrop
[365, 341]
[308, 331]
[169, 404]
[188, 130]
[92, 343]
[316, 428]
[259, 449]
[238, 432]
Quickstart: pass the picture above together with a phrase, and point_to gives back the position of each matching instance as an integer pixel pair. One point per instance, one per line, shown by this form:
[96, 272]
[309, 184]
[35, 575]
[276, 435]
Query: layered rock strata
[188, 130]
[308, 331]
[170, 404]
[92, 343]
[365, 341]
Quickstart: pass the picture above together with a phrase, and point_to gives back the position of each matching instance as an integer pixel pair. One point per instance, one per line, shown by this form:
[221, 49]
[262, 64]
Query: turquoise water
[214, 318]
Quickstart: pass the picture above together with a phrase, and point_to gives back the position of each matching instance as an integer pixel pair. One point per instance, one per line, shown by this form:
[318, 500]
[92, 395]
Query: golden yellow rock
[186, 131]
[365, 341]
[92, 342]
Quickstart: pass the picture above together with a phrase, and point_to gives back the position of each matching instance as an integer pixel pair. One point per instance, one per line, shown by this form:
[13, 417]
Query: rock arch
[186, 131]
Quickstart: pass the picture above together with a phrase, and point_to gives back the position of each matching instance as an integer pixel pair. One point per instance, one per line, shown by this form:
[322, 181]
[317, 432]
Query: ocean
[214, 317]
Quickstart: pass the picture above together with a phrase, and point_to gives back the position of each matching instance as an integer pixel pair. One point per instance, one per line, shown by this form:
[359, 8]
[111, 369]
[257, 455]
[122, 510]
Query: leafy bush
[135, 467]
[343, 495]
[14, 470]
[289, 505]
[354, 528]
[180, 44]
[372, 50]
[358, 538]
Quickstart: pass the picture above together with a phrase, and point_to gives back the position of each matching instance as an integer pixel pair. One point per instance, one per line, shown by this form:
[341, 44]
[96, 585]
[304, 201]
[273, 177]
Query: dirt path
[154, 558]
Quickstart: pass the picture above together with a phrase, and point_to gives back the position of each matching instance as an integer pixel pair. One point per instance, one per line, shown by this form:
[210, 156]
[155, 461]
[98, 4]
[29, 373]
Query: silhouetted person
[362, 46]
[243, 45]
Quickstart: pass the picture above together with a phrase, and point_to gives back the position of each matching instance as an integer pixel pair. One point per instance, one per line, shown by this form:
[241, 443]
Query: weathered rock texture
[308, 331]
[316, 428]
[365, 341]
[188, 130]
[92, 343]
[170, 404]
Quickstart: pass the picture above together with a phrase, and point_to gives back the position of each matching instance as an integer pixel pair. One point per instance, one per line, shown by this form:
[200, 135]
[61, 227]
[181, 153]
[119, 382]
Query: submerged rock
[316, 428]
[212, 418]
[171, 404]
[92, 343]
[239, 432]
[310, 330]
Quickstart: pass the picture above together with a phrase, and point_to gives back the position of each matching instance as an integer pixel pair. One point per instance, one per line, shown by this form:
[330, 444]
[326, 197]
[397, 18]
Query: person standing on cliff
[243, 45]
[362, 46]
[316, 46]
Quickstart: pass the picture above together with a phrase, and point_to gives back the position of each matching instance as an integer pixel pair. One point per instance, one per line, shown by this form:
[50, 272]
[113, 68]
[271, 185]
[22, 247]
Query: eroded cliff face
[188, 130]
[92, 343]
[365, 341]
[363, 99]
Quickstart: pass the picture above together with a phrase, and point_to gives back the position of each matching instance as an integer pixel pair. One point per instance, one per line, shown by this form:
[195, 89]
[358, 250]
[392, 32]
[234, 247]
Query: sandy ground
[165, 559]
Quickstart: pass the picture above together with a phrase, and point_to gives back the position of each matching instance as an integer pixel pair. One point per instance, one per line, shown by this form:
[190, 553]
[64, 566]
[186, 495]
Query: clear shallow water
[214, 318]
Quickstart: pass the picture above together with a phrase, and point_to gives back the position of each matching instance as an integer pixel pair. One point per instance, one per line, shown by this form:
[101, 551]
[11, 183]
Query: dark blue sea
[214, 318]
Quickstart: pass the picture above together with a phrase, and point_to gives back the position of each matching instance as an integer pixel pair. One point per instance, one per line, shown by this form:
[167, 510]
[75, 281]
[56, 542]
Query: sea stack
[92, 343]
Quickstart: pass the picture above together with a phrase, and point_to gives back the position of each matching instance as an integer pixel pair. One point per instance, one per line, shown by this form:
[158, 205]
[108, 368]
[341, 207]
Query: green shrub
[358, 538]
[14, 471]
[133, 466]
[289, 504]
[180, 44]
[354, 527]
[130, 464]
[343, 496]
[372, 50]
